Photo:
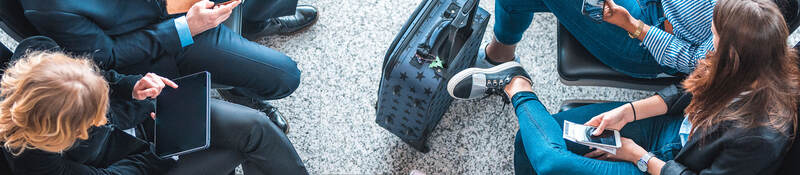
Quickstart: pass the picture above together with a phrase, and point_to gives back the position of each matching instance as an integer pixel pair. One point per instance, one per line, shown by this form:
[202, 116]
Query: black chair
[578, 67]
[5, 53]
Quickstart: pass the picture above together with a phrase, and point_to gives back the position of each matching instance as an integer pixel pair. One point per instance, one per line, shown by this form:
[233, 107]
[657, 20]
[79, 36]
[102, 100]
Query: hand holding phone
[205, 15]
[183, 6]
[617, 15]
[593, 9]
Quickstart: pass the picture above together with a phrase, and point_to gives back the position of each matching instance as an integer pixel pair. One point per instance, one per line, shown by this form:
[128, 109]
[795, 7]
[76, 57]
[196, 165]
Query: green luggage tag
[436, 64]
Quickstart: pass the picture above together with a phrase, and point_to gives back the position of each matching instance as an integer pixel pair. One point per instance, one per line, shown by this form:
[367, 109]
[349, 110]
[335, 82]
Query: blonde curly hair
[49, 100]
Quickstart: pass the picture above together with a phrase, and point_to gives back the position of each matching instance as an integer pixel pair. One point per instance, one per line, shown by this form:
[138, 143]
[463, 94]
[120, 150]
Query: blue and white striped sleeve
[673, 52]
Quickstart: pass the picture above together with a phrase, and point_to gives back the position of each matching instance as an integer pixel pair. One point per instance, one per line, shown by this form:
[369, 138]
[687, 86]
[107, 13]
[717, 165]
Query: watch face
[642, 165]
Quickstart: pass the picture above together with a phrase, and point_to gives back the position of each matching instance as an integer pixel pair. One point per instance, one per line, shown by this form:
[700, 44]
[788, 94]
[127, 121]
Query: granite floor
[332, 114]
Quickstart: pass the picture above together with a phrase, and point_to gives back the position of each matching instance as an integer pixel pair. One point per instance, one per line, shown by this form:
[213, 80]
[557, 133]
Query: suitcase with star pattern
[440, 39]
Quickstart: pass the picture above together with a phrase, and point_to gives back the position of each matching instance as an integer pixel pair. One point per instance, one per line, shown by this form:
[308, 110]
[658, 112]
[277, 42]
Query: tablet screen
[182, 116]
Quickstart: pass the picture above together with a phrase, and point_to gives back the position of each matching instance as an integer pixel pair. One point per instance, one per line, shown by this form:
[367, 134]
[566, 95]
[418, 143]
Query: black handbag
[440, 39]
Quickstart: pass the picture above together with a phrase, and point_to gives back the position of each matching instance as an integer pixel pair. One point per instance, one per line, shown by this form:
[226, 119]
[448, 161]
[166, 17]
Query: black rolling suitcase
[440, 39]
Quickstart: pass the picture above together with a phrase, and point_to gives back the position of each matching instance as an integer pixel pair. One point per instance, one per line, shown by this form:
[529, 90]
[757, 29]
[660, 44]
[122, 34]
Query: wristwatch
[642, 163]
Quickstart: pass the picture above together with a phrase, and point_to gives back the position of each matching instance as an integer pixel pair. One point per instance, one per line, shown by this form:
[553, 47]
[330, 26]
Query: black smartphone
[608, 137]
[593, 9]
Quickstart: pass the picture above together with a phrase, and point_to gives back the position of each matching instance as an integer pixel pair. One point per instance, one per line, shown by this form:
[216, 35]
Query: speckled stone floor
[332, 114]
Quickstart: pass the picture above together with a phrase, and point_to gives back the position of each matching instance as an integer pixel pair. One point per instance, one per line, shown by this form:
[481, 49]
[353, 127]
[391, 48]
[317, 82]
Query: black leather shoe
[303, 18]
[276, 117]
[272, 112]
[476, 83]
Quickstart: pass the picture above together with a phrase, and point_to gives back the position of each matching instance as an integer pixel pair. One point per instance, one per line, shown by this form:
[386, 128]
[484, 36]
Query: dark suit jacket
[118, 33]
[724, 148]
[121, 34]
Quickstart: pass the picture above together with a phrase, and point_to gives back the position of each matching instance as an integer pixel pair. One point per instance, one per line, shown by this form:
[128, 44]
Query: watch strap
[642, 163]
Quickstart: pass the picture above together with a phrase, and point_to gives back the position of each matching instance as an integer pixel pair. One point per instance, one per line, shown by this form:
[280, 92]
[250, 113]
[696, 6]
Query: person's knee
[290, 79]
[256, 120]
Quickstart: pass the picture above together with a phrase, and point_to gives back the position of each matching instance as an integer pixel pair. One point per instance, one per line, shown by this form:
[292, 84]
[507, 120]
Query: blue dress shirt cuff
[184, 33]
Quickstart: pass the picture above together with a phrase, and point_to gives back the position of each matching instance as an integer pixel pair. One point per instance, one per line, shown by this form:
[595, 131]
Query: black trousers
[241, 135]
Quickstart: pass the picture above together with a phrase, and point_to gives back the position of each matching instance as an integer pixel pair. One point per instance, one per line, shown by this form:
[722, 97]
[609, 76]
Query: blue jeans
[609, 43]
[540, 147]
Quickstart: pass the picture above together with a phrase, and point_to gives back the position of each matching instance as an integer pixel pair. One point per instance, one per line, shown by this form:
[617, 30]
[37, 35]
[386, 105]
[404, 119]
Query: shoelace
[496, 87]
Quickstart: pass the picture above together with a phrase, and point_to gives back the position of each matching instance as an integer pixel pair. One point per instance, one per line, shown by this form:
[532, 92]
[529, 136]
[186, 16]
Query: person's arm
[129, 93]
[675, 98]
[121, 85]
[668, 49]
[670, 100]
[671, 51]
[78, 34]
[36, 162]
[649, 107]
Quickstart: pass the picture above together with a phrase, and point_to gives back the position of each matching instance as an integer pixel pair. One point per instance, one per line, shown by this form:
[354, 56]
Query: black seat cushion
[572, 104]
[790, 11]
[575, 63]
[5, 53]
[13, 20]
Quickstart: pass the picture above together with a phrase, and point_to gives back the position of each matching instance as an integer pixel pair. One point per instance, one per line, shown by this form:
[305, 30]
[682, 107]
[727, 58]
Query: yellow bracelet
[638, 32]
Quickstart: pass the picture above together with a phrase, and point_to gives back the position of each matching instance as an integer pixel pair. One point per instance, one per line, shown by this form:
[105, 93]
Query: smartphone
[593, 9]
[224, 3]
[608, 138]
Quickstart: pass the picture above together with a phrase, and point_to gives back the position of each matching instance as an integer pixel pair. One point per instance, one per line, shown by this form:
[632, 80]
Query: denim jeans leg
[607, 42]
[513, 17]
[521, 163]
[545, 147]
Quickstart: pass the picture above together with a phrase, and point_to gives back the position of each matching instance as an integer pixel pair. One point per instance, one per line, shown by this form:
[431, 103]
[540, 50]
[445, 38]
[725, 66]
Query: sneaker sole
[451, 85]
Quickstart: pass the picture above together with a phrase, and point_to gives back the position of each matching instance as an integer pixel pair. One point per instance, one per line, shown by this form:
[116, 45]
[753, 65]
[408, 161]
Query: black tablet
[182, 123]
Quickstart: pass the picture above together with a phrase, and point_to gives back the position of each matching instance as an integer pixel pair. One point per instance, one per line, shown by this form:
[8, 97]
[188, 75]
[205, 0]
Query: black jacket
[724, 148]
[108, 150]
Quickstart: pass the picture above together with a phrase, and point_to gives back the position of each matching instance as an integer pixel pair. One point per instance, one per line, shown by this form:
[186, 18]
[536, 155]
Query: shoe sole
[451, 85]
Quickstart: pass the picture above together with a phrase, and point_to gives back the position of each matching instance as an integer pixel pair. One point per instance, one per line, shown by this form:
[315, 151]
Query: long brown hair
[48, 101]
[752, 77]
